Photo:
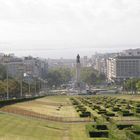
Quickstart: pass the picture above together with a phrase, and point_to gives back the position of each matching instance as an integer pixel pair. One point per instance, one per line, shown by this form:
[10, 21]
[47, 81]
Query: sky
[64, 28]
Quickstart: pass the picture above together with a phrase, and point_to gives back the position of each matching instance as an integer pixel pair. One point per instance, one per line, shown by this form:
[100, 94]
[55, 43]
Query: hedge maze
[114, 118]
[80, 108]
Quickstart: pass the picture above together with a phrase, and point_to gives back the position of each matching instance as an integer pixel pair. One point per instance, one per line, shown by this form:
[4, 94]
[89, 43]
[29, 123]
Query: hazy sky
[63, 28]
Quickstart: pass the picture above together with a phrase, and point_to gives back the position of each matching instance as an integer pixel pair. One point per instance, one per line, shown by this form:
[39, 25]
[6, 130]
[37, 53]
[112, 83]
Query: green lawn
[20, 128]
[124, 96]
[56, 99]
[15, 127]
[39, 106]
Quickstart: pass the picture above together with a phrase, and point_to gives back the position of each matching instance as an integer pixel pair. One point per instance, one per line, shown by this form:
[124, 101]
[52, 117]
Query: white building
[85, 61]
[123, 67]
[131, 52]
[100, 65]
[35, 66]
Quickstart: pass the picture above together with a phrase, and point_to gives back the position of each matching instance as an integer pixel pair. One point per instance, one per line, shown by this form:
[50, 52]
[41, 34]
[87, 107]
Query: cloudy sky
[63, 28]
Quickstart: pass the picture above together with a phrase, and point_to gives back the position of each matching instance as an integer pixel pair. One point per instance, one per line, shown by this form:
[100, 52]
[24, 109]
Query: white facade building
[131, 52]
[123, 67]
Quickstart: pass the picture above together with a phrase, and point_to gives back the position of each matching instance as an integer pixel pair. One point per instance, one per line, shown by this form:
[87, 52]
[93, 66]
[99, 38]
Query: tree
[138, 85]
[91, 77]
[58, 76]
[131, 85]
[2, 72]
[2, 87]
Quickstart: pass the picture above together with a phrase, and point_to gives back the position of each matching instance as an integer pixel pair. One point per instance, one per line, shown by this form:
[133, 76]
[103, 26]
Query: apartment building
[123, 67]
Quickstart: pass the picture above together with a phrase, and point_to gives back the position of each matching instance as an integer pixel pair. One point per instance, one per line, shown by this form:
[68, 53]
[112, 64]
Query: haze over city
[61, 28]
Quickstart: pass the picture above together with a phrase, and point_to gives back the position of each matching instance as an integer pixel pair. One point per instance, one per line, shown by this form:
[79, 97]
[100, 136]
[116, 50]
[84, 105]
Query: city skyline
[64, 52]
[61, 28]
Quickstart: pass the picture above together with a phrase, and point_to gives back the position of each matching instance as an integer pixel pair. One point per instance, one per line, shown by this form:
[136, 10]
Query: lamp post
[29, 86]
[131, 85]
[40, 84]
[35, 86]
[21, 79]
[21, 85]
[28, 79]
[46, 85]
[124, 84]
[7, 76]
[35, 78]
[7, 81]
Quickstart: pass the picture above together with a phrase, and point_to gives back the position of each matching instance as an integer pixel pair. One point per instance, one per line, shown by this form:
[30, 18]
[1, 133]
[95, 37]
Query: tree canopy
[91, 76]
[2, 72]
[58, 76]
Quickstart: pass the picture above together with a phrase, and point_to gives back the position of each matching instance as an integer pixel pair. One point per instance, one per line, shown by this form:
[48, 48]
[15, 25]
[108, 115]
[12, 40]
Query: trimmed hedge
[126, 113]
[101, 127]
[13, 101]
[97, 131]
[124, 126]
[133, 135]
[85, 114]
[99, 134]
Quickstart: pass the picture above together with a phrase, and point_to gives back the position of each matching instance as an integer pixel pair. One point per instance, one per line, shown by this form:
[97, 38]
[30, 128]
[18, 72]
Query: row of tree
[14, 86]
[132, 85]
[58, 76]
[55, 77]
[91, 76]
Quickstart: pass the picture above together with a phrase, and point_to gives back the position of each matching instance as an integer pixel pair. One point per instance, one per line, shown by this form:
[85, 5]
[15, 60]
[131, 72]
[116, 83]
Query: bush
[102, 111]
[13, 101]
[138, 110]
[123, 126]
[96, 134]
[133, 135]
[85, 114]
[110, 114]
[101, 127]
[115, 109]
[126, 113]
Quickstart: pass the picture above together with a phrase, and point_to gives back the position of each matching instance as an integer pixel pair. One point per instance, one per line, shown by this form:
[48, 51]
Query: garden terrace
[101, 117]
[112, 107]
[97, 131]
[134, 133]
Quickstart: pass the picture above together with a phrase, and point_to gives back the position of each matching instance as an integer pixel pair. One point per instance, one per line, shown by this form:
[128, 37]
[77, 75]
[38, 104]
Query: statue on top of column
[78, 58]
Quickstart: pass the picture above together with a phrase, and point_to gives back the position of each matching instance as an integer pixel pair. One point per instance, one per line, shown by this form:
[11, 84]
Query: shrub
[123, 126]
[110, 114]
[126, 113]
[115, 109]
[138, 110]
[96, 134]
[85, 114]
[101, 127]
[13, 101]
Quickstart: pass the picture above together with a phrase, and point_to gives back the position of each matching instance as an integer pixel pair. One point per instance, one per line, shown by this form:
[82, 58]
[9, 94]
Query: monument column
[78, 72]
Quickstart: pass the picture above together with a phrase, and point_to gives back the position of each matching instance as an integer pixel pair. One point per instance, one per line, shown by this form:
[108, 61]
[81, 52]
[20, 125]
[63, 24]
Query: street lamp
[29, 84]
[131, 85]
[124, 84]
[21, 79]
[35, 77]
[45, 81]
[40, 84]
[7, 81]
[7, 76]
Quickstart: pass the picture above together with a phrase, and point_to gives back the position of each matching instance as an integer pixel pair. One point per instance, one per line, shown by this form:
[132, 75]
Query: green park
[30, 111]
[110, 117]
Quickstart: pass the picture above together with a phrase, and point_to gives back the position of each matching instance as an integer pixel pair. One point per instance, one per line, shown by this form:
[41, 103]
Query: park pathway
[66, 134]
